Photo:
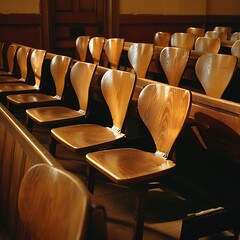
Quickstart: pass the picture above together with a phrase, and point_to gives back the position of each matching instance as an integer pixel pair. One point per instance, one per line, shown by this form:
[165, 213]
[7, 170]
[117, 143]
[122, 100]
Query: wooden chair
[58, 67]
[183, 40]
[82, 47]
[81, 75]
[214, 71]
[226, 29]
[235, 36]
[163, 109]
[197, 31]
[53, 204]
[216, 34]
[162, 39]
[96, 47]
[113, 50]
[2, 67]
[11, 53]
[140, 55]
[207, 44]
[174, 61]
[235, 51]
[117, 88]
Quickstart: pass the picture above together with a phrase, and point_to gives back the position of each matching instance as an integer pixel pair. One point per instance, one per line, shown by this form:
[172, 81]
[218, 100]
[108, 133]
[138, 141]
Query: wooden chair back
[117, 88]
[164, 110]
[113, 49]
[235, 51]
[22, 60]
[207, 44]
[216, 34]
[235, 36]
[2, 44]
[183, 40]
[197, 31]
[174, 61]
[162, 39]
[37, 58]
[95, 47]
[82, 47]
[140, 55]
[214, 72]
[53, 204]
[59, 67]
[226, 29]
[11, 53]
[81, 75]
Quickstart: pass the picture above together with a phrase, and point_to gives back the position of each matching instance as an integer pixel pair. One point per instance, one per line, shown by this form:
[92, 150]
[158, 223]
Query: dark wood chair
[59, 67]
[215, 71]
[117, 88]
[81, 75]
[207, 44]
[164, 110]
[183, 40]
[174, 61]
[162, 39]
[82, 47]
[140, 55]
[95, 48]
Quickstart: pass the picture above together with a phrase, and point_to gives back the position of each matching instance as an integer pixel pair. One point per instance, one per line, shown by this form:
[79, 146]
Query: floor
[166, 204]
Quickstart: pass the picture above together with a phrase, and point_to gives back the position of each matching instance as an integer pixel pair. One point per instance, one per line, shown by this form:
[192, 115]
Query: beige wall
[19, 6]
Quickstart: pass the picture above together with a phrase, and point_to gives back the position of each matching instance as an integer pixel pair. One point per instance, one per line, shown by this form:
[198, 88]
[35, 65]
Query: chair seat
[48, 115]
[30, 98]
[15, 87]
[9, 79]
[127, 165]
[85, 136]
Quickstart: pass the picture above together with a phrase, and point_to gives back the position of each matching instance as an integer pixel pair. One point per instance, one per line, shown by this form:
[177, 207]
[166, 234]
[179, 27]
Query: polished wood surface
[117, 87]
[140, 55]
[82, 47]
[81, 76]
[53, 204]
[198, 31]
[235, 36]
[225, 29]
[113, 49]
[235, 50]
[207, 44]
[214, 72]
[96, 47]
[174, 61]
[162, 39]
[183, 40]
[216, 34]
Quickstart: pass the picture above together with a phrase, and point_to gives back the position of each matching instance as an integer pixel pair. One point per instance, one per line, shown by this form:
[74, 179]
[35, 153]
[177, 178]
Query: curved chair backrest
[59, 67]
[216, 34]
[82, 47]
[227, 30]
[162, 39]
[81, 75]
[235, 50]
[95, 47]
[183, 40]
[214, 72]
[37, 58]
[174, 61]
[207, 44]
[53, 204]
[140, 55]
[11, 53]
[117, 88]
[197, 31]
[164, 110]
[235, 36]
[113, 49]
[22, 60]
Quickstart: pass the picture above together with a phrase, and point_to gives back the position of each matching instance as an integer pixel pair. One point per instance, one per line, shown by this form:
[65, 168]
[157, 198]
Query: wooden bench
[19, 151]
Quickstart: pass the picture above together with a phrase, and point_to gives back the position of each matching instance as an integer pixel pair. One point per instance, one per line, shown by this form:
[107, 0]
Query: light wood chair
[117, 88]
[113, 50]
[139, 56]
[235, 51]
[235, 36]
[216, 34]
[11, 53]
[53, 204]
[96, 47]
[81, 75]
[163, 109]
[162, 39]
[207, 44]
[226, 29]
[59, 67]
[82, 47]
[183, 40]
[174, 61]
[214, 71]
[198, 31]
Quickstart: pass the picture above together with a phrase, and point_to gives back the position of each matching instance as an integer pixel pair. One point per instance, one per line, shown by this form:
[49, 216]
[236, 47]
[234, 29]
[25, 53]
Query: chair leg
[53, 146]
[90, 178]
[139, 212]
[29, 124]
